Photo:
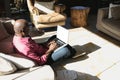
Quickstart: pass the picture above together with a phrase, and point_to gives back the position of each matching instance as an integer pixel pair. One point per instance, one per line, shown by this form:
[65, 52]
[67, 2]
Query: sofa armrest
[102, 14]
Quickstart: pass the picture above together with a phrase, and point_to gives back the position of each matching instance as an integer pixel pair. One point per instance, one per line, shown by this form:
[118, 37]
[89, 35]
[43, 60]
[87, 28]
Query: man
[41, 54]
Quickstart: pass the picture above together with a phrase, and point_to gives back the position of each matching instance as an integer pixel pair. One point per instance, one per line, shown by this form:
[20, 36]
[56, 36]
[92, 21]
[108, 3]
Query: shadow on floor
[63, 74]
[74, 75]
[87, 48]
[90, 47]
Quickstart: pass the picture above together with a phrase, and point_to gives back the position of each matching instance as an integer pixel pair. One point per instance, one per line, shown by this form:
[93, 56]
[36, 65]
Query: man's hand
[52, 47]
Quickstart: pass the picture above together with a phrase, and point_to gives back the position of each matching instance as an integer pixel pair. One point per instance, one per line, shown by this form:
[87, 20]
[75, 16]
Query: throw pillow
[110, 6]
[48, 5]
[6, 45]
[6, 67]
[3, 32]
[45, 6]
[20, 61]
[115, 11]
[9, 26]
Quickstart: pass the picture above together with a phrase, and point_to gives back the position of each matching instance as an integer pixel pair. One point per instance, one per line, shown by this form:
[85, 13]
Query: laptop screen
[62, 34]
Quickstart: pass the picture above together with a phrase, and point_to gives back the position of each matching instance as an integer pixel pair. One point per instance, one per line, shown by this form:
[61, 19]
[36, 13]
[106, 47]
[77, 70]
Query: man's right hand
[53, 46]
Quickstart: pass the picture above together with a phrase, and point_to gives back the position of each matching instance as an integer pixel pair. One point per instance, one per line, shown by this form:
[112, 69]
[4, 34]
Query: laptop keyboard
[60, 43]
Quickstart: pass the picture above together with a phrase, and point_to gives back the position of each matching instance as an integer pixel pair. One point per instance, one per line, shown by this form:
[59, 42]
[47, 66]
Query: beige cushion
[3, 32]
[48, 25]
[21, 62]
[110, 6]
[115, 12]
[6, 67]
[49, 18]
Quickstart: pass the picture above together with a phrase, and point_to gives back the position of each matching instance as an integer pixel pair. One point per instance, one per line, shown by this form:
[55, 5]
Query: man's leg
[65, 52]
[60, 54]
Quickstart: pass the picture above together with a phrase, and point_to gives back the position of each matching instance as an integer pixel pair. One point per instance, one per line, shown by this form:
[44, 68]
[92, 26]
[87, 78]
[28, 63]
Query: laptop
[62, 37]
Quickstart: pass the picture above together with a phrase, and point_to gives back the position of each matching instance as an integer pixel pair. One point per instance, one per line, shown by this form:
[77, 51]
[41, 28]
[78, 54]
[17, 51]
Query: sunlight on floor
[102, 54]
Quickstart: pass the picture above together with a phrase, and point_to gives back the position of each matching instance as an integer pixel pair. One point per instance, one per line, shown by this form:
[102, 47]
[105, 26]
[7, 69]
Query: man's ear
[13, 22]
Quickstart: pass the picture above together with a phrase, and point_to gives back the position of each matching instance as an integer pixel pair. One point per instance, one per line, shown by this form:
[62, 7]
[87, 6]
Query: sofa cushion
[3, 32]
[49, 18]
[6, 67]
[20, 61]
[115, 12]
[114, 25]
[110, 6]
[6, 45]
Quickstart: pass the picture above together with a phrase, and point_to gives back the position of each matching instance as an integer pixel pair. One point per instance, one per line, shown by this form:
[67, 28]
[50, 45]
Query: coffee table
[102, 61]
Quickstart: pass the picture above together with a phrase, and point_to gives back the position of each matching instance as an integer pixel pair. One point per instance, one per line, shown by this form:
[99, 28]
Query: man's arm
[32, 49]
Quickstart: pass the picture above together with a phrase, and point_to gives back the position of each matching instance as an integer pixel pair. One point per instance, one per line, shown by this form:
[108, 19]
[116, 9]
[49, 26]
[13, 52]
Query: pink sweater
[29, 48]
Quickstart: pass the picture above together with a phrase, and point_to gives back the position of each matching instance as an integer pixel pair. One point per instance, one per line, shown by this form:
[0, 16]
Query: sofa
[110, 25]
[17, 67]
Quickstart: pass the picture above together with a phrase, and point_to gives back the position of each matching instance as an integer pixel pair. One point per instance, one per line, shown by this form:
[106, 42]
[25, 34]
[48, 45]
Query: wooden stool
[79, 16]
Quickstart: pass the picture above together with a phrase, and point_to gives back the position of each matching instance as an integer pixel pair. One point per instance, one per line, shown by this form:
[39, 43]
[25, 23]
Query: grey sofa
[110, 26]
